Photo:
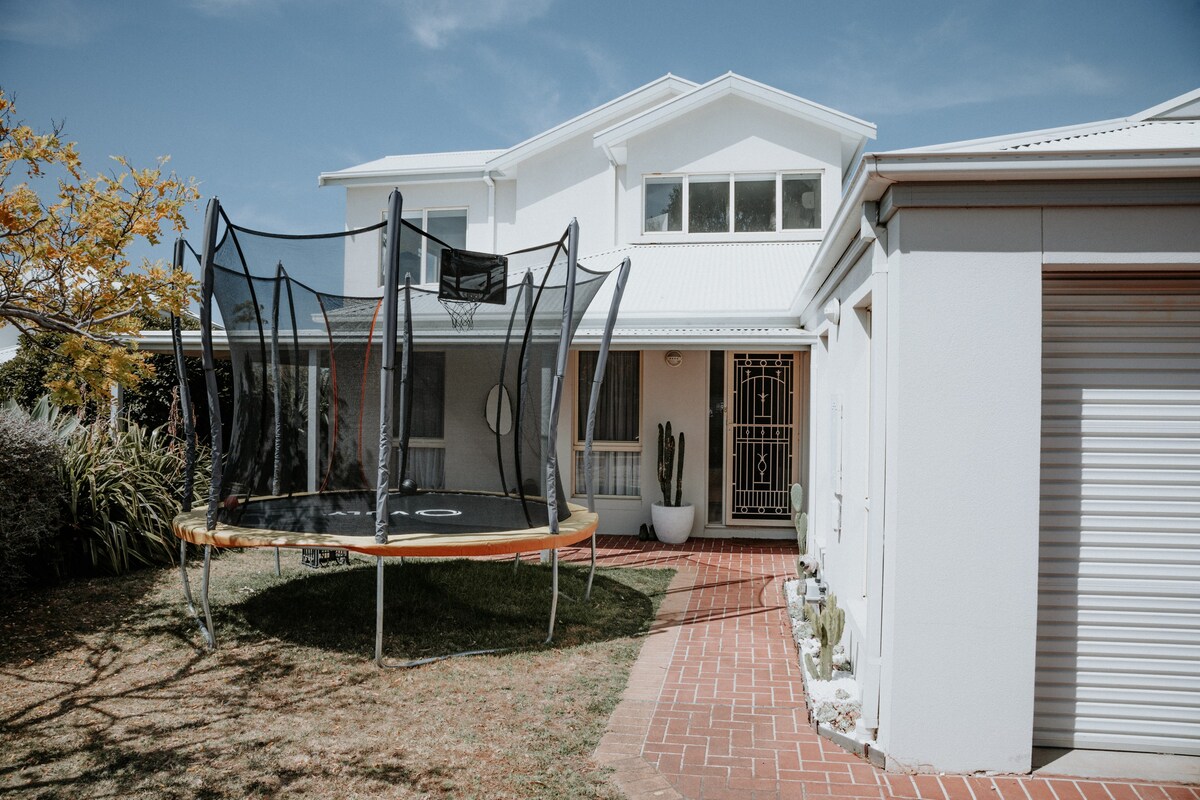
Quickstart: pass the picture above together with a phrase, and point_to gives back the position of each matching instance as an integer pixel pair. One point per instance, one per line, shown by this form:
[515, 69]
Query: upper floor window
[732, 203]
[419, 256]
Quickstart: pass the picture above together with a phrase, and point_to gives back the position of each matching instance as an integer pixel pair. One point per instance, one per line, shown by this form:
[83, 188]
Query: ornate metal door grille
[762, 438]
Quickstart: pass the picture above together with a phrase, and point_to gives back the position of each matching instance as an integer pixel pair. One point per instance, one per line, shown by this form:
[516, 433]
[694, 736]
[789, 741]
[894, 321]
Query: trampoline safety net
[473, 408]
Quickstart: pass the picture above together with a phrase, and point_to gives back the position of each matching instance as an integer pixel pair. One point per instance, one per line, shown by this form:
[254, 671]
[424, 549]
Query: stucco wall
[670, 393]
[730, 135]
[960, 603]
[366, 205]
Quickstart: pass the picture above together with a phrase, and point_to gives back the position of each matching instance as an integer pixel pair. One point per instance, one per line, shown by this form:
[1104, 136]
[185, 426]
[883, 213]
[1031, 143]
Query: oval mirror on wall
[498, 410]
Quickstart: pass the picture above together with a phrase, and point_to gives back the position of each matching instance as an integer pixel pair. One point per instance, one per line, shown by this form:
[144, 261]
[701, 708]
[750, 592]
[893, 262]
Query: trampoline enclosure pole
[387, 364]
[210, 375]
[593, 400]
[185, 397]
[560, 368]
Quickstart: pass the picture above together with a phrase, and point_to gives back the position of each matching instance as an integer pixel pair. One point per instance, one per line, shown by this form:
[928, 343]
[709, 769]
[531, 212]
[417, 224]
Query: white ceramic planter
[672, 524]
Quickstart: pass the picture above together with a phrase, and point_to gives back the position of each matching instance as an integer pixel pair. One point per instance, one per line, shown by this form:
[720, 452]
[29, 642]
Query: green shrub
[122, 490]
[31, 454]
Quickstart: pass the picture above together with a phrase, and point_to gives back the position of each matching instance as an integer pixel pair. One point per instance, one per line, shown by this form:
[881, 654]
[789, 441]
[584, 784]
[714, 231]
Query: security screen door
[762, 442]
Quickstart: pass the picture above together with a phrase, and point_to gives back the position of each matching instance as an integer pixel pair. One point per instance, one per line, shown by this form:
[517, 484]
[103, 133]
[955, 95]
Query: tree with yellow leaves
[63, 267]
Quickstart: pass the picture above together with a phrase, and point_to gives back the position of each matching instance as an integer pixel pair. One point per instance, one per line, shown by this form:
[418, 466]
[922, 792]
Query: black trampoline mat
[353, 513]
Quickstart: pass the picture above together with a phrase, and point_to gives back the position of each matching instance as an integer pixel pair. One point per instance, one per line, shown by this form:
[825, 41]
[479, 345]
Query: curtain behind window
[618, 417]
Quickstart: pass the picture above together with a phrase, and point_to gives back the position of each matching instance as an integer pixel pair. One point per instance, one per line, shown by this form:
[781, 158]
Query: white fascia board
[1038, 165]
[665, 337]
[392, 177]
[698, 339]
[731, 84]
[667, 86]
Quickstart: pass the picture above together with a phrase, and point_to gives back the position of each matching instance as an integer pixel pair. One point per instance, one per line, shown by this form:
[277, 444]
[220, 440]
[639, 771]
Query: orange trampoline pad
[192, 527]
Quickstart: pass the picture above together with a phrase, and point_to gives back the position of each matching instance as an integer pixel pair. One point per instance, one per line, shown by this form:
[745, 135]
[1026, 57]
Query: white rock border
[834, 705]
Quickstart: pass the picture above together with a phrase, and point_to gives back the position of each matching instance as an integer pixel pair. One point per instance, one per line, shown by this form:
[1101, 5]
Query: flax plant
[122, 492]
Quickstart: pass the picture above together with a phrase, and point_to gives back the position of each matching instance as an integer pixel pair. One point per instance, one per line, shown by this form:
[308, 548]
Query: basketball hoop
[462, 313]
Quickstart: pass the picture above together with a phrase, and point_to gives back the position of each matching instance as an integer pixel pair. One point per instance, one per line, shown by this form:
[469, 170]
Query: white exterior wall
[669, 393]
[573, 179]
[730, 135]
[936, 557]
[365, 205]
[961, 527]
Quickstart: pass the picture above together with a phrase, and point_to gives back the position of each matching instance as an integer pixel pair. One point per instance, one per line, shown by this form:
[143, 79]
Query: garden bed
[835, 705]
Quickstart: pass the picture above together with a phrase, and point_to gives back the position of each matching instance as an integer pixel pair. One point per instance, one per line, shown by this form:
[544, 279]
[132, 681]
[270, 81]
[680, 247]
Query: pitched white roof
[704, 285]
[665, 87]
[1173, 125]
[853, 129]
[423, 165]
[647, 106]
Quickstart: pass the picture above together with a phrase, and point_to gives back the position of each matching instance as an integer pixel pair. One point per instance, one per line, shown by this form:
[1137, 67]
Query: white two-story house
[720, 194]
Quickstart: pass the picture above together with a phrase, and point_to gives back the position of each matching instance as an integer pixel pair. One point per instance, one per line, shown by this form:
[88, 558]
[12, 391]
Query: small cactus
[827, 625]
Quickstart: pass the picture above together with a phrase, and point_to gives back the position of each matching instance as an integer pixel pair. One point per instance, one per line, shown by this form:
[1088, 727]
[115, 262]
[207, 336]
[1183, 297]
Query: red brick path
[715, 705]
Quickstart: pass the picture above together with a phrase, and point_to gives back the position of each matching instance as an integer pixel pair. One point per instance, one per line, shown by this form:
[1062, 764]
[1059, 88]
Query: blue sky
[254, 98]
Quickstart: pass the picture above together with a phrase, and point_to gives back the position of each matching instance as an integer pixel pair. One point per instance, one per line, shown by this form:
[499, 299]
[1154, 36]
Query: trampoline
[419, 422]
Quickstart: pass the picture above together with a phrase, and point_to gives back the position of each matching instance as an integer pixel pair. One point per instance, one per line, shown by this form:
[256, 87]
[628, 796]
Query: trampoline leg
[212, 634]
[187, 595]
[587, 595]
[379, 611]
[278, 570]
[553, 592]
[516, 562]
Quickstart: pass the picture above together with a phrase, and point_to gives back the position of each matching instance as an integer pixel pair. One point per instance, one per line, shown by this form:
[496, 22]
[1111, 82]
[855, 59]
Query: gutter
[491, 184]
[877, 172]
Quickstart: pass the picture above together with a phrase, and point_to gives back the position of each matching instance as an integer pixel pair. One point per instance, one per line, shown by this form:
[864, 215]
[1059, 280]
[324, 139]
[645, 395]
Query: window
[616, 435]
[447, 224]
[426, 442]
[664, 204]
[801, 201]
[770, 202]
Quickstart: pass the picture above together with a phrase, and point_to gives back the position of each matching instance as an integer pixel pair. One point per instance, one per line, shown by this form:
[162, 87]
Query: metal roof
[719, 284]
[462, 161]
[1173, 125]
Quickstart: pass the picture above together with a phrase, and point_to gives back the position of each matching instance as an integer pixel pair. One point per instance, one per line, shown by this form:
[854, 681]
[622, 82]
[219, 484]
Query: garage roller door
[1118, 663]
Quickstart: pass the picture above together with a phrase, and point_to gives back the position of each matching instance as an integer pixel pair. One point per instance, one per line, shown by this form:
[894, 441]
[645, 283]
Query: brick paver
[715, 703]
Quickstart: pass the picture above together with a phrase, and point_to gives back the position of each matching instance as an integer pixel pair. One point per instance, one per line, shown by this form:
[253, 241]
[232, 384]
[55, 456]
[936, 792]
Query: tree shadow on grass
[39, 624]
[434, 607]
[117, 727]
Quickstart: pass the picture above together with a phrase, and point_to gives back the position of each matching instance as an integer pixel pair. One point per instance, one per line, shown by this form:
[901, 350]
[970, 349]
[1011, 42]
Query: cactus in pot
[672, 520]
[827, 624]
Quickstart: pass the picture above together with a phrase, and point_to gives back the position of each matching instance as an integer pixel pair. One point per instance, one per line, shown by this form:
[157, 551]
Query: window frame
[423, 225]
[686, 179]
[578, 445]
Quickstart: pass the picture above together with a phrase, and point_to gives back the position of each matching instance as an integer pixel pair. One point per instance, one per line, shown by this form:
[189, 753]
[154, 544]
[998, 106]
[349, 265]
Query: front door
[764, 406]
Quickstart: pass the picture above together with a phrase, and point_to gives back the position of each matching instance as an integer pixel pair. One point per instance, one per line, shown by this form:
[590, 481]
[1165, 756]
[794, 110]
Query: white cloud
[435, 22]
[62, 23]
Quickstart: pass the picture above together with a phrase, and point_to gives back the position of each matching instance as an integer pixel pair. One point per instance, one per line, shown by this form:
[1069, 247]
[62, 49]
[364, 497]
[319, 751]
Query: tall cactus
[679, 474]
[666, 461]
[666, 465]
[801, 518]
[828, 625]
